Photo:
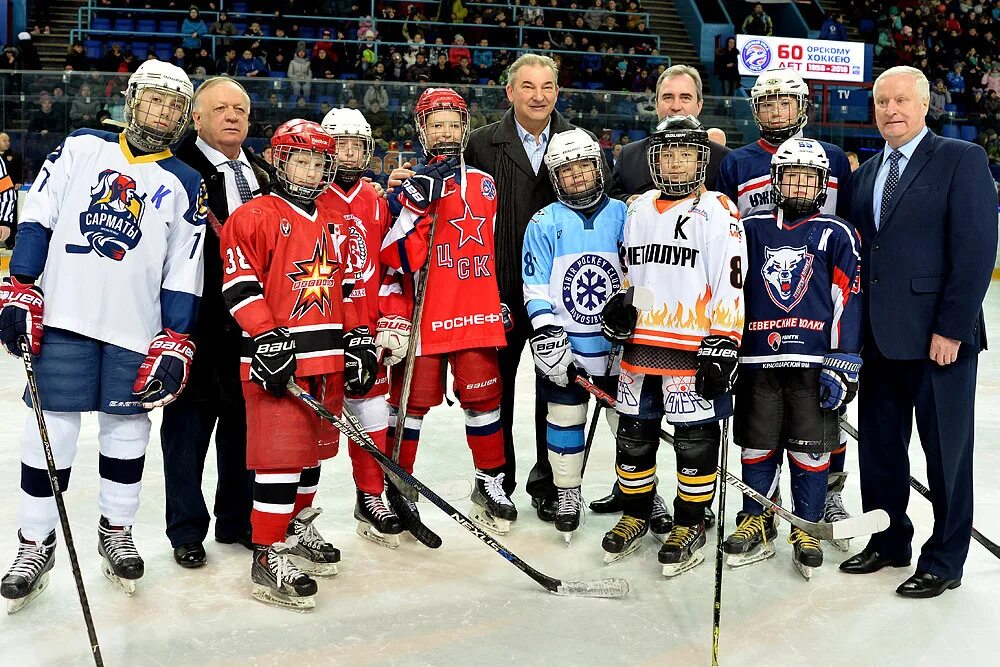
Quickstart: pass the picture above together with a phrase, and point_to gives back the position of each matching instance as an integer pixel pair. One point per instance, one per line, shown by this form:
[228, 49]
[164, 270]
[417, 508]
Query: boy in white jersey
[679, 362]
[108, 264]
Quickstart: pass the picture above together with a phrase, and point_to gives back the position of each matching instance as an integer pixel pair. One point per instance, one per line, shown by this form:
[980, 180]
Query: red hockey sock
[368, 475]
[411, 436]
[485, 437]
[274, 496]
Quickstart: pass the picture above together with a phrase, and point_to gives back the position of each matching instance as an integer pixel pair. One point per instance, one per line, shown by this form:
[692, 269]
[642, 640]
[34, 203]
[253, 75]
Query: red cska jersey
[368, 216]
[462, 301]
[286, 268]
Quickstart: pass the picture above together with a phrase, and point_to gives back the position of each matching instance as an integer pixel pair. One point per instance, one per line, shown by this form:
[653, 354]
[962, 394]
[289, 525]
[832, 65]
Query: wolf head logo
[786, 274]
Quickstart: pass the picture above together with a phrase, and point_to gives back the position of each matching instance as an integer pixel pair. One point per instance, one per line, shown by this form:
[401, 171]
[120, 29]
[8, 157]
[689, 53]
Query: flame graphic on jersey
[697, 319]
[314, 280]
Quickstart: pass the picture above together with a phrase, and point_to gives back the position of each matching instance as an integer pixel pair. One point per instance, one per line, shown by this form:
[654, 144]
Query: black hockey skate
[29, 575]
[276, 580]
[833, 508]
[569, 512]
[376, 522]
[808, 552]
[120, 563]
[683, 550]
[753, 539]
[310, 552]
[660, 521]
[492, 508]
[624, 538]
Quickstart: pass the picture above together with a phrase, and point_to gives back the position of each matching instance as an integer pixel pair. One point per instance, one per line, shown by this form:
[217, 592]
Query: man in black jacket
[213, 398]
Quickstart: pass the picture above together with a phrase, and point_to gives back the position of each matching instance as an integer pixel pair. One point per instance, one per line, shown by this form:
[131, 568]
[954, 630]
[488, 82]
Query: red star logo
[470, 226]
[313, 281]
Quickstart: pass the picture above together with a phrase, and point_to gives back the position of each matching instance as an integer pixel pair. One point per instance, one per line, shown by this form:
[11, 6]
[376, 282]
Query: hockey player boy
[570, 269]
[288, 281]
[799, 361]
[686, 245]
[461, 322]
[368, 218]
[779, 101]
[108, 266]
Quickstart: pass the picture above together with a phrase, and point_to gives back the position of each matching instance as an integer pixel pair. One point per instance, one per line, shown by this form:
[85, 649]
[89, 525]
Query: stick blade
[874, 521]
[613, 587]
[640, 297]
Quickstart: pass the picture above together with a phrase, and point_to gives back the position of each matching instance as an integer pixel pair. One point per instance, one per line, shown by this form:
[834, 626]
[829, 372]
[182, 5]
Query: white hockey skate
[492, 509]
[753, 539]
[29, 575]
[309, 551]
[276, 580]
[120, 562]
[376, 522]
[808, 553]
[683, 550]
[624, 538]
[833, 508]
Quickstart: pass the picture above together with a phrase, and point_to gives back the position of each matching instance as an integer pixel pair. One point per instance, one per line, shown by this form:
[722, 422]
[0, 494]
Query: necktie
[242, 184]
[890, 185]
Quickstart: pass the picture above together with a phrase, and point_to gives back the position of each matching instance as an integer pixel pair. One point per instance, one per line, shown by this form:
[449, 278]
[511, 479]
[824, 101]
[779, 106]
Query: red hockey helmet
[304, 157]
[442, 136]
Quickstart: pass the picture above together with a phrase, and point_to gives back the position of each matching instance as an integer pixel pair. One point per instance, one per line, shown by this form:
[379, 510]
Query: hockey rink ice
[464, 605]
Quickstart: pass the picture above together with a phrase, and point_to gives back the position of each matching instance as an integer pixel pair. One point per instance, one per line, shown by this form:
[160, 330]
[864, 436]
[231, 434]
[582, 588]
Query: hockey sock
[123, 440]
[697, 450]
[411, 436]
[761, 471]
[485, 437]
[565, 440]
[809, 473]
[308, 483]
[839, 456]
[368, 476]
[635, 464]
[274, 495]
[37, 512]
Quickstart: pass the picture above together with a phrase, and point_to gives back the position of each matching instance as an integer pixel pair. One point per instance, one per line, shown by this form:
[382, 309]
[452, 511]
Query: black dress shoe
[546, 508]
[869, 561]
[609, 504]
[237, 539]
[926, 585]
[191, 554]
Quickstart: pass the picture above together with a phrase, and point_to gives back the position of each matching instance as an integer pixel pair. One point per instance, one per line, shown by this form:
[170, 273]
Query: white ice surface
[464, 605]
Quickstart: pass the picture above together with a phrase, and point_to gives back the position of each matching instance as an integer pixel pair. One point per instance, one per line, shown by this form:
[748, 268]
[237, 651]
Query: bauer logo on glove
[717, 363]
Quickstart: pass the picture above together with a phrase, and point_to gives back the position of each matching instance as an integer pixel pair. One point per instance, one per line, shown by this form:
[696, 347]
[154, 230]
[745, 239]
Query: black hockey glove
[506, 317]
[717, 360]
[618, 318]
[427, 186]
[360, 360]
[838, 381]
[273, 361]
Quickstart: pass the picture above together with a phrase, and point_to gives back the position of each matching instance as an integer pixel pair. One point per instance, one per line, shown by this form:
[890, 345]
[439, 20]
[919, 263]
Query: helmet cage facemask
[584, 199]
[138, 121]
[446, 148]
[280, 155]
[794, 125]
[799, 206]
[347, 173]
[675, 187]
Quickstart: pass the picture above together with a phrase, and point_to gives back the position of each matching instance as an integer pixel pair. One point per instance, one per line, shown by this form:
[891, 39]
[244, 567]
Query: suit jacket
[927, 268]
[215, 371]
[631, 174]
[497, 150]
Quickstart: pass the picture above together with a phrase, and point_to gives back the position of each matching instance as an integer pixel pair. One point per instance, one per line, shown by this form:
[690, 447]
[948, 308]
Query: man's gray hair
[678, 70]
[208, 84]
[532, 60]
[920, 83]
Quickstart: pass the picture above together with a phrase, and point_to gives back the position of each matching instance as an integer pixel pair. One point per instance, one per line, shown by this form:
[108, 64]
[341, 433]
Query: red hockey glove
[164, 372]
[21, 309]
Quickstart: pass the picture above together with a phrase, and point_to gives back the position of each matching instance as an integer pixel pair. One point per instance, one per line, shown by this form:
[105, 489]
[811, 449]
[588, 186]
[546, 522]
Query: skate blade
[843, 545]
[610, 558]
[310, 567]
[269, 596]
[568, 537]
[762, 552]
[490, 523]
[368, 532]
[16, 605]
[671, 570]
[126, 586]
[660, 537]
[805, 570]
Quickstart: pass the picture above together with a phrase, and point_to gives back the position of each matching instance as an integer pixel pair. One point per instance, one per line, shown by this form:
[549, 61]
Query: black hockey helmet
[678, 155]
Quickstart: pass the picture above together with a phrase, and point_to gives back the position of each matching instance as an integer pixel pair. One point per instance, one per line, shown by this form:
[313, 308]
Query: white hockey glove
[392, 334]
[552, 354]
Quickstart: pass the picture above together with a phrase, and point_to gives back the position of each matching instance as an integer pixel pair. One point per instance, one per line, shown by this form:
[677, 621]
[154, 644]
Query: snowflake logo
[587, 285]
[591, 289]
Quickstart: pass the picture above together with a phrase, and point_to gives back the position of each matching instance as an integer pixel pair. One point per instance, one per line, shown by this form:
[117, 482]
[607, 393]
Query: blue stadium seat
[240, 28]
[146, 25]
[951, 107]
[240, 7]
[140, 49]
[163, 50]
[636, 135]
[278, 74]
[167, 25]
[995, 170]
[94, 47]
[615, 136]
[950, 131]
[970, 132]
[350, 75]
[123, 25]
[100, 23]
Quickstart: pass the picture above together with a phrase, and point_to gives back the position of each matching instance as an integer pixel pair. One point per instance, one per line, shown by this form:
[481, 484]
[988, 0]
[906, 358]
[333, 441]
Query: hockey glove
[553, 355]
[618, 318]
[273, 361]
[717, 361]
[506, 317]
[360, 360]
[21, 309]
[164, 372]
[427, 186]
[838, 381]
[392, 336]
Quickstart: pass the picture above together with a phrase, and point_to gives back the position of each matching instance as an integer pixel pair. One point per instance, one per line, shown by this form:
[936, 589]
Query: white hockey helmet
[806, 193]
[156, 119]
[773, 93]
[678, 155]
[586, 183]
[355, 144]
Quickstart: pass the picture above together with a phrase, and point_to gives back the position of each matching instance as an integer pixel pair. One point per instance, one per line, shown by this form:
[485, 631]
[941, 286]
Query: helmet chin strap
[307, 205]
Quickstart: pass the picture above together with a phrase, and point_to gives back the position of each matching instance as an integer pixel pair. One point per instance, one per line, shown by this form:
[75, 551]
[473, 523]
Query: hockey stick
[602, 588]
[990, 546]
[719, 558]
[50, 464]
[855, 526]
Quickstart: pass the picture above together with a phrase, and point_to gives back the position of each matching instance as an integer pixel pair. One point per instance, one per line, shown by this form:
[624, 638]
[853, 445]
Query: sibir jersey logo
[786, 273]
[111, 223]
[659, 253]
[586, 286]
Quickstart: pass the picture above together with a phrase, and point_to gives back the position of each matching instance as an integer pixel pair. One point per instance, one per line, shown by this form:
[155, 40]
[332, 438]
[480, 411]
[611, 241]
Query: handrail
[514, 7]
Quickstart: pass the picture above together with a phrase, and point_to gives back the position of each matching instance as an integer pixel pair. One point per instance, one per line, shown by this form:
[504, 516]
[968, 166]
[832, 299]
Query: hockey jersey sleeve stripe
[178, 310]
[308, 344]
[31, 250]
[755, 184]
[241, 290]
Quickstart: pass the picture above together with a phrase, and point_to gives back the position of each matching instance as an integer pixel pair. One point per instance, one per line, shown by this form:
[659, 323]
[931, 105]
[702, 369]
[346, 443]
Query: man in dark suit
[213, 398]
[678, 93]
[925, 207]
